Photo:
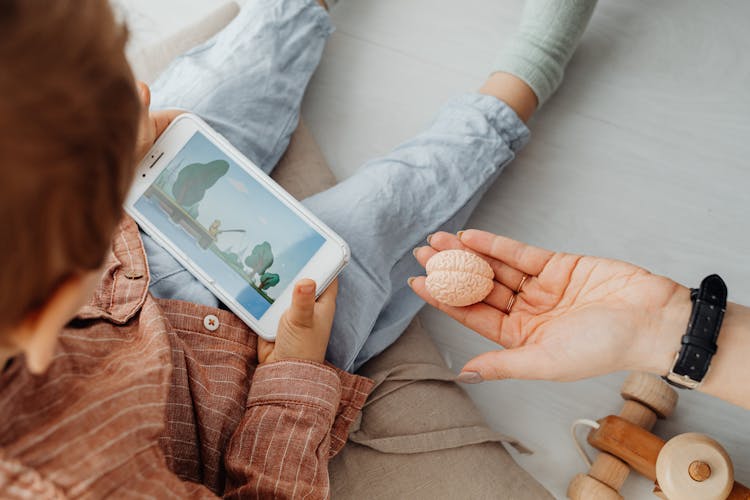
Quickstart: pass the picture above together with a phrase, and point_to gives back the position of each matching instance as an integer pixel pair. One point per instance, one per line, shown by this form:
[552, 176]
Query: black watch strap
[699, 342]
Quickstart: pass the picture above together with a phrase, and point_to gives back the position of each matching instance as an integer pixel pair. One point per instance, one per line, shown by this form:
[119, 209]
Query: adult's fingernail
[429, 237]
[414, 252]
[459, 234]
[306, 289]
[469, 378]
[410, 280]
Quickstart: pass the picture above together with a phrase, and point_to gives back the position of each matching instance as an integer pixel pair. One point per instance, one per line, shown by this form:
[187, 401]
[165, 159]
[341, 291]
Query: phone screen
[229, 225]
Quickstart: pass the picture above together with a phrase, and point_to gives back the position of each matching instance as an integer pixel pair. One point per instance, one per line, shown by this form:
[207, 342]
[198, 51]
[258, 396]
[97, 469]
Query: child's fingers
[144, 93]
[144, 129]
[163, 118]
[265, 349]
[302, 311]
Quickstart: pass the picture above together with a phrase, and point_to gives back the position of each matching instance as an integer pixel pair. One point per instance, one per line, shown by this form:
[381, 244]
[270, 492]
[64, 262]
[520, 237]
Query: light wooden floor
[642, 155]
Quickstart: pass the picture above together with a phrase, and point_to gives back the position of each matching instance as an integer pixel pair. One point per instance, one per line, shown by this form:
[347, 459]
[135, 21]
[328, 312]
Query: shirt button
[211, 323]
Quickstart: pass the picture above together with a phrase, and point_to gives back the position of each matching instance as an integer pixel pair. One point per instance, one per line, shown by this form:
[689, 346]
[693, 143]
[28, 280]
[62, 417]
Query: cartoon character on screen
[213, 229]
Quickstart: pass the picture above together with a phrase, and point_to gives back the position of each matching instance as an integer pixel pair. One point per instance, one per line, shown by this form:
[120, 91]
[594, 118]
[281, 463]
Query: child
[140, 393]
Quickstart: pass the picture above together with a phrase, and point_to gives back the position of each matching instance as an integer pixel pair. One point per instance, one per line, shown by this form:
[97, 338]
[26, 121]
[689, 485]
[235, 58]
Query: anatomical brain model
[458, 278]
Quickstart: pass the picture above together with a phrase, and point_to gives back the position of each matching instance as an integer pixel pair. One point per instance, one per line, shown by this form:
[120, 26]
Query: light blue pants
[248, 81]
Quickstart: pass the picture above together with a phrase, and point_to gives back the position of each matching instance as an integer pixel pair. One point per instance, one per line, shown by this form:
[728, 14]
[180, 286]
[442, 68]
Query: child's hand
[152, 124]
[305, 327]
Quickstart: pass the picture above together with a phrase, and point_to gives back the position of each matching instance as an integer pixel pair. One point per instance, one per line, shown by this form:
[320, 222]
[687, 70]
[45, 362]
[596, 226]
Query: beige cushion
[421, 436]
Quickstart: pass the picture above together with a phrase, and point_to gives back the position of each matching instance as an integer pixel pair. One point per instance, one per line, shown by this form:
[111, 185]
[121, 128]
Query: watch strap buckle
[680, 381]
[698, 344]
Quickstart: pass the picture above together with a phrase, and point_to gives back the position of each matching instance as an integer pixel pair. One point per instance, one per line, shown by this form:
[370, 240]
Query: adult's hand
[575, 316]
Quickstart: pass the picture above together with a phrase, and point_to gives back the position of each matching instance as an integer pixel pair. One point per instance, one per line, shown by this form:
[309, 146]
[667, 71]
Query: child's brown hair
[69, 112]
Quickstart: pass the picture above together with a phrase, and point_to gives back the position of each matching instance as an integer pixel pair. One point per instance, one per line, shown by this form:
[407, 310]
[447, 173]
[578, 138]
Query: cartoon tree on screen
[193, 181]
[268, 280]
[260, 259]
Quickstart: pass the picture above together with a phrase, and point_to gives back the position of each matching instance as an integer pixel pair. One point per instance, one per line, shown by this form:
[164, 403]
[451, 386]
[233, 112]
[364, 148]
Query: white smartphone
[236, 230]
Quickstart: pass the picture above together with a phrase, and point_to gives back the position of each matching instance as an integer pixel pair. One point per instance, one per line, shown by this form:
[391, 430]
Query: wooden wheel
[694, 467]
[651, 391]
[646, 398]
[585, 487]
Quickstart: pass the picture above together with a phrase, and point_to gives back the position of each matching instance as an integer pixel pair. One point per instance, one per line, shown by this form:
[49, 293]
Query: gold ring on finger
[523, 282]
[511, 301]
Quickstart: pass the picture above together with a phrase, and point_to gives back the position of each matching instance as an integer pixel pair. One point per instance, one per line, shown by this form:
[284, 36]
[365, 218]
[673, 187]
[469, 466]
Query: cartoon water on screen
[232, 228]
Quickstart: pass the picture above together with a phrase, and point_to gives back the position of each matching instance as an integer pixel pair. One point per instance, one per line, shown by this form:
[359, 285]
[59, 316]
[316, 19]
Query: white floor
[642, 155]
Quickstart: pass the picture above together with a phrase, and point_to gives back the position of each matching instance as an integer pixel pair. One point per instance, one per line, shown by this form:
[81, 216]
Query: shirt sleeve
[298, 416]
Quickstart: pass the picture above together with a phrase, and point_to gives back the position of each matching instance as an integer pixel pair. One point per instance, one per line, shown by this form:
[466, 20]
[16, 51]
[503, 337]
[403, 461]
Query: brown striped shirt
[144, 400]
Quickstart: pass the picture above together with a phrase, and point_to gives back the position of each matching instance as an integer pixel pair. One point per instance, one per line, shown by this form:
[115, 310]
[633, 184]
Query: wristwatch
[699, 342]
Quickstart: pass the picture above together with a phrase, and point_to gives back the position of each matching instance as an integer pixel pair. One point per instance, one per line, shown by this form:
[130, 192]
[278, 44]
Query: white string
[589, 423]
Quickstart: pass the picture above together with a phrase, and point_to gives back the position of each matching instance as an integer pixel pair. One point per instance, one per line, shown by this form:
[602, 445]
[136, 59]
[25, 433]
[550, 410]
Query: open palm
[574, 317]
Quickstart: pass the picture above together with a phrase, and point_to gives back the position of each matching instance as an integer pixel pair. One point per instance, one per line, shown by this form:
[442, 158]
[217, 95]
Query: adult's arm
[580, 316]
